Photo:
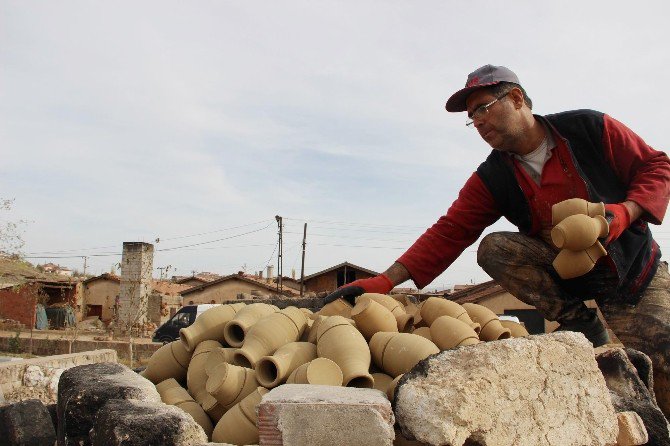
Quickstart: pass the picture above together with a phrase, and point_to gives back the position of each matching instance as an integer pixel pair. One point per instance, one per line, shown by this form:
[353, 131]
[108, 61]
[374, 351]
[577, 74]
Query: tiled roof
[341, 265]
[168, 288]
[476, 293]
[245, 278]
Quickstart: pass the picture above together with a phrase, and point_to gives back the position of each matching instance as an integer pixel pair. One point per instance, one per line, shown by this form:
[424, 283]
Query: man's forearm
[397, 274]
[635, 211]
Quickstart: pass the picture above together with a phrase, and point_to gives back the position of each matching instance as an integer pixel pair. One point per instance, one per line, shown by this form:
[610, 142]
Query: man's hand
[349, 292]
[619, 220]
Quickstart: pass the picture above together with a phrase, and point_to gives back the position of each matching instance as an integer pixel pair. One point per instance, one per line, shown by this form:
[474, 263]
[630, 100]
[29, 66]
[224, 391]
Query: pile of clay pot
[233, 354]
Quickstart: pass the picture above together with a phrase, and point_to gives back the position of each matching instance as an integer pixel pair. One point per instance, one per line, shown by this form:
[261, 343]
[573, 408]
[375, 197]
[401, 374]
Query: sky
[196, 123]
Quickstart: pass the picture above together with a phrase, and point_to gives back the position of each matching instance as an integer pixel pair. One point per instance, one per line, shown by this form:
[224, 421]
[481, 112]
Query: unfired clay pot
[517, 330]
[237, 328]
[390, 393]
[219, 355]
[213, 408]
[574, 206]
[491, 328]
[382, 381]
[173, 394]
[196, 377]
[230, 383]
[209, 325]
[404, 321]
[321, 371]
[270, 333]
[339, 307]
[169, 361]
[578, 232]
[570, 264]
[423, 331]
[339, 341]
[371, 317]
[308, 329]
[435, 307]
[238, 425]
[397, 353]
[313, 330]
[273, 370]
[448, 332]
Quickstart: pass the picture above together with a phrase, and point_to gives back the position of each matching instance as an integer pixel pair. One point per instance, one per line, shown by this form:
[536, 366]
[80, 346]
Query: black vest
[635, 254]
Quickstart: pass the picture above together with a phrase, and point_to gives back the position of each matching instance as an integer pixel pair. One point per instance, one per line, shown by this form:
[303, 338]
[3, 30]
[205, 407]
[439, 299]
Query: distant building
[52, 268]
[334, 277]
[229, 287]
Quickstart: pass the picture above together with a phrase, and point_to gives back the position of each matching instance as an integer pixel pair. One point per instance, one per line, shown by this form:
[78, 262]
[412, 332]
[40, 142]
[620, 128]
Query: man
[536, 162]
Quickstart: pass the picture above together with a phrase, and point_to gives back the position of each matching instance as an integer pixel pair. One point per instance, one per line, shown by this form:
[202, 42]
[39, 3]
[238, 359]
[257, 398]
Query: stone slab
[26, 423]
[302, 414]
[539, 390]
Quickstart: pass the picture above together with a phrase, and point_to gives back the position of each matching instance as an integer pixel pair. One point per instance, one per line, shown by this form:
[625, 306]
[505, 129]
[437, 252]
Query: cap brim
[456, 103]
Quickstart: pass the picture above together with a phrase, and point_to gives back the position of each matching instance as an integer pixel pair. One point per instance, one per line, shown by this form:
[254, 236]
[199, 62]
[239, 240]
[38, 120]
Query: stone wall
[38, 377]
[136, 271]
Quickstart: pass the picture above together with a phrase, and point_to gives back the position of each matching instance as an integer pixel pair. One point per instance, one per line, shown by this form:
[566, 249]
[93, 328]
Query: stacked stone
[233, 354]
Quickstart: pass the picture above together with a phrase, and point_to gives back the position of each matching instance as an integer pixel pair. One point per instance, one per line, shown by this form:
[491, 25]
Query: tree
[11, 240]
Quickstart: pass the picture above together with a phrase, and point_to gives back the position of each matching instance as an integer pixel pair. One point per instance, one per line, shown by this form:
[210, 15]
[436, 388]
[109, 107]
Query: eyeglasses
[482, 110]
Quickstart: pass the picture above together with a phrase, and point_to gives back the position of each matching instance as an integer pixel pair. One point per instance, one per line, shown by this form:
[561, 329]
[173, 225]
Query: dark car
[169, 331]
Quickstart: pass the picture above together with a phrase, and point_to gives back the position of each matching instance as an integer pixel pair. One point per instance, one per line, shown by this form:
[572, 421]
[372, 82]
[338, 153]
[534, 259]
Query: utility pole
[302, 267]
[280, 257]
[85, 258]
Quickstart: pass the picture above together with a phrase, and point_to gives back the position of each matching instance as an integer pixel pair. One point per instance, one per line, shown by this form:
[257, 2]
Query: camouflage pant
[522, 265]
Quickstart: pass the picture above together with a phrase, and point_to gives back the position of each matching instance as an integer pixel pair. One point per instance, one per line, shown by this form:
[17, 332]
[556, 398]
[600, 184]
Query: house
[196, 279]
[334, 277]
[495, 298]
[52, 268]
[100, 295]
[229, 287]
[19, 302]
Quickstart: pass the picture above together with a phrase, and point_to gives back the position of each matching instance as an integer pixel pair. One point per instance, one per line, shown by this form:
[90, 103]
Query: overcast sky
[132, 121]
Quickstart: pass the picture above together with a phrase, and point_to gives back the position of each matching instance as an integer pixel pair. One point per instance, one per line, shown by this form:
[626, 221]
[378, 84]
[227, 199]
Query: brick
[337, 415]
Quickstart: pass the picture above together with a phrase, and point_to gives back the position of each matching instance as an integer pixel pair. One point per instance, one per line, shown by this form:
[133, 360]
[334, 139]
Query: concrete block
[539, 390]
[83, 390]
[136, 423]
[301, 414]
[26, 423]
[629, 392]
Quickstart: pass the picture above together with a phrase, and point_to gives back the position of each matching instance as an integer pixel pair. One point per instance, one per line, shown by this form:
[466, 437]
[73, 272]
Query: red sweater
[646, 172]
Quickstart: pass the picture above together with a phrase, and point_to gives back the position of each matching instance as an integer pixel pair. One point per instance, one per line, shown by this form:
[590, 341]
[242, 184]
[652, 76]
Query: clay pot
[308, 329]
[321, 371]
[196, 377]
[578, 232]
[371, 317]
[230, 383]
[236, 329]
[517, 330]
[339, 307]
[397, 353]
[238, 425]
[390, 393]
[273, 370]
[342, 343]
[570, 264]
[307, 312]
[169, 361]
[311, 337]
[423, 332]
[173, 394]
[382, 381]
[404, 322]
[209, 325]
[435, 307]
[270, 333]
[213, 408]
[491, 328]
[218, 356]
[448, 332]
[574, 206]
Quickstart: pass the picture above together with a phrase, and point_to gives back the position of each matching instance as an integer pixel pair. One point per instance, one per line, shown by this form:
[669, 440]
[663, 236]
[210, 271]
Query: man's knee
[490, 248]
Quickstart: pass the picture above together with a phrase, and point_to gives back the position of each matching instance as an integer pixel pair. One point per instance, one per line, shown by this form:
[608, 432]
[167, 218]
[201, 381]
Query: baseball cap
[482, 77]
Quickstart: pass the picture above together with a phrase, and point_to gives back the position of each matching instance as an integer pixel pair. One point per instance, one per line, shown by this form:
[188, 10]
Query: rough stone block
[539, 390]
[26, 423]
[83, 390]
[301, 414]
[631, 430]
[630, 393]
[136, 423]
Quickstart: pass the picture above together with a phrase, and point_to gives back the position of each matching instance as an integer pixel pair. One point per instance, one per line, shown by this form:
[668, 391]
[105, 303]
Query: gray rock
[26, 423]
[630, 393]
[539, 390]
[83, 390]
[135, 423]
